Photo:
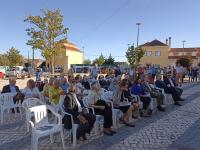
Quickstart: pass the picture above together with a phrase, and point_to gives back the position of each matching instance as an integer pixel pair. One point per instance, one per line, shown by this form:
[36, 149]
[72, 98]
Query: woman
[101, 107]
[138, 90]
[125, 107]
[72, 105]
[47, 87]
[55, 92]
[31, 91]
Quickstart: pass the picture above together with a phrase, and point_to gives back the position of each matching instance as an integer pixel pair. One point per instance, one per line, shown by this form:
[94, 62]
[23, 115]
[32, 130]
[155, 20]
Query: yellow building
[156, 53]
[69, 55]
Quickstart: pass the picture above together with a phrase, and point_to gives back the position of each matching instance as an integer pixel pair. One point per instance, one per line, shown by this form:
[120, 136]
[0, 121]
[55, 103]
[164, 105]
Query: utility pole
[183, 46]
[138, 32]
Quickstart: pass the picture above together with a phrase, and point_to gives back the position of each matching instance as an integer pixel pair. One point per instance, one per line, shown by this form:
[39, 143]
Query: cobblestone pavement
[158, 132]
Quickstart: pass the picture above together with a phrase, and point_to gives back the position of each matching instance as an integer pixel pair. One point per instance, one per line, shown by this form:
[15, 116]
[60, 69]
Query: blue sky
[105, 26]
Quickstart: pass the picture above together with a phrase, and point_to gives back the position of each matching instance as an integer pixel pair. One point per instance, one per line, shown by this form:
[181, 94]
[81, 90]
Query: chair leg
[51, 138]
[2, 115]
[96, 127]
[74, 130]
[34, 142]
[62, 138]
[27, 124]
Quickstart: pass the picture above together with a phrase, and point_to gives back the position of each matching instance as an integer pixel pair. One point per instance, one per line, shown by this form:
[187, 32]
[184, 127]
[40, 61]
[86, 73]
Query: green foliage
[109, 61]
[134, 56]
[47, 34]
[87, 61]
[4, 60]
[100, 60]
[184, 61]
[14, 57]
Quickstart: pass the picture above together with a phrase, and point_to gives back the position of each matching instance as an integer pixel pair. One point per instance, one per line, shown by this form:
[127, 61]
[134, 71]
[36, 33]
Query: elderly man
[171, 90]
[12, 88]
[153, 92]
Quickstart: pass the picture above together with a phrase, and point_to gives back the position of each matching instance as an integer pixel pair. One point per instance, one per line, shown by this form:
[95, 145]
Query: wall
[161, 60]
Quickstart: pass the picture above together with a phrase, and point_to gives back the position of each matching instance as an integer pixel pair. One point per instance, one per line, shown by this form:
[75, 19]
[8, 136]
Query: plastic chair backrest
[7, 100]
[107, 96]
[40, 115]
[31, 102]
[85, 101]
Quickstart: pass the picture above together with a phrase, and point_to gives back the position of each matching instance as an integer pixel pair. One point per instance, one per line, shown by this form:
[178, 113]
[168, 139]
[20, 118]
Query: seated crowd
[126, 95]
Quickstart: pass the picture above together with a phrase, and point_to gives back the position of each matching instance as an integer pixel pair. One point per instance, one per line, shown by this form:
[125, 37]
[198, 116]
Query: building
[69, 55]
[156, 53]
[177, 53]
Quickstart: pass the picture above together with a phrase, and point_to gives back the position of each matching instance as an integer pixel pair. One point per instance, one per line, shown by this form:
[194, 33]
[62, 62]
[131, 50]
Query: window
[148, 53]
[157, 53]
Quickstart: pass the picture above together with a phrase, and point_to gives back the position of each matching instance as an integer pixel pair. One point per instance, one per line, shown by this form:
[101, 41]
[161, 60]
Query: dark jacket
[70, 105]
[161, 84]
[6, 89]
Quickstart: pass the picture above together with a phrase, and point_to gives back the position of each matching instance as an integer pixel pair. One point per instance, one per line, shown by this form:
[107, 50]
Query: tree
[134, 56]
[47, 34]
[109, 61]
[100, 60]
[87, 61]
[4, 60]
[184, 61]
[14, 57]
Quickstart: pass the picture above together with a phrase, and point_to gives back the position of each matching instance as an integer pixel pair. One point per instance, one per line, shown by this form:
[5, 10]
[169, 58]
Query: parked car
[16, 72]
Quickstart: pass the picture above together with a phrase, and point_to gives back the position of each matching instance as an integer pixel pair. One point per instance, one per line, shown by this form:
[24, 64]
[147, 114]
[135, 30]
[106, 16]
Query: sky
[105, 26]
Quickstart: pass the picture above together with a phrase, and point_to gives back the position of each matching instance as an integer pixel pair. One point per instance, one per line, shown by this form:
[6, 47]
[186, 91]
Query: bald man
[11, 87]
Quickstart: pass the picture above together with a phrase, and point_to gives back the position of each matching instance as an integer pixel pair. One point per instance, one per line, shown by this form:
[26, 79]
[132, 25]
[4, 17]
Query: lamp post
[83, 53]
[183, 46]
[138, 32]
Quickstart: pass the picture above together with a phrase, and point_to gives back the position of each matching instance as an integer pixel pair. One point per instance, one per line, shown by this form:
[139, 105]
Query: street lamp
[138, 32]
[183, 46]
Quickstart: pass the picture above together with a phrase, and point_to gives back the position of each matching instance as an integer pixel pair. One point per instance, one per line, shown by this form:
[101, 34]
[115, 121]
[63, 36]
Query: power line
[108, 18]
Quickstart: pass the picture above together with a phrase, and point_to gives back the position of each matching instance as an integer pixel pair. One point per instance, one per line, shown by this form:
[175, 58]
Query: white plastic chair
[99, 118]
[116, 113]
[28, 103]
[41, 127]
[6, 103]
[74, 126]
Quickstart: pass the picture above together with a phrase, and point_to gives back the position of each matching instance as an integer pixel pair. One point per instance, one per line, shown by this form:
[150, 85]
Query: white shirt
[179, 69]
[34, 93]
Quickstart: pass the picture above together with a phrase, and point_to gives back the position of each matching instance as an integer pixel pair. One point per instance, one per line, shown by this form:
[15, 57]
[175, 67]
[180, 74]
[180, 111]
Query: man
[161, 84]
[12, 88]
[153, 93]
[171, 83]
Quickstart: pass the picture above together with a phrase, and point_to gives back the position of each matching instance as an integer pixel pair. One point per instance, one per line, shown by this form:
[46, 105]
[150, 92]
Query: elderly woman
[125, 107]
[31, 91]
[73, 106]
[101, 107]
[55, 92]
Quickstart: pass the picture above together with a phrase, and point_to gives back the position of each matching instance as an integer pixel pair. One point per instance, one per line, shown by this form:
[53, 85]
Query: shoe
[161, 108]
[107, 133]
[181, 99]
[177, 103]
[130, 125]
